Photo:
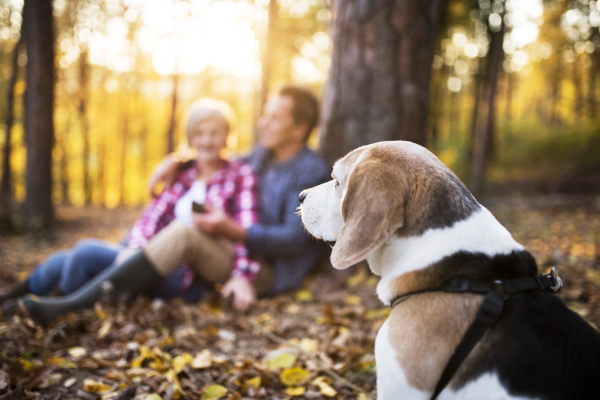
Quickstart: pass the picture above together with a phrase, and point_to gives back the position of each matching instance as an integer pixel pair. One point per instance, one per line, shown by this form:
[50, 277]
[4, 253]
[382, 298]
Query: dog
[398, 206]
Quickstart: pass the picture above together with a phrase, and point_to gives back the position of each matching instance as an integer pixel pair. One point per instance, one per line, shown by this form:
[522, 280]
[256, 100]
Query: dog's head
[380, 190]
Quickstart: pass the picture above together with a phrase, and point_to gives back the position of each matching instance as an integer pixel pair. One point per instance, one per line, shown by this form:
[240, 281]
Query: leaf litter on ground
[289, 346]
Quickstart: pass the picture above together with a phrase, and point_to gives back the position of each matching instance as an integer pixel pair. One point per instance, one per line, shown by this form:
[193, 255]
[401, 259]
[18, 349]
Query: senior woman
[149, 256]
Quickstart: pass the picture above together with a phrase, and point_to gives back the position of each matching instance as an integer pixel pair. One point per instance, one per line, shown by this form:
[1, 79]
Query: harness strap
[488, 313]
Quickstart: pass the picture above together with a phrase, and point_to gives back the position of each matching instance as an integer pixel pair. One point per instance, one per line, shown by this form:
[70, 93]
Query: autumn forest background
[509, 102]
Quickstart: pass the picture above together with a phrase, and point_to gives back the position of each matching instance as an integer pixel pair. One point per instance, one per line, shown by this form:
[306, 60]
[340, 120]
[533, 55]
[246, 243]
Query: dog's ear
[372, 208]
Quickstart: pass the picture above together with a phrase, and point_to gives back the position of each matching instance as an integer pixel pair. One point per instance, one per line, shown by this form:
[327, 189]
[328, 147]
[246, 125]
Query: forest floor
[315, 342]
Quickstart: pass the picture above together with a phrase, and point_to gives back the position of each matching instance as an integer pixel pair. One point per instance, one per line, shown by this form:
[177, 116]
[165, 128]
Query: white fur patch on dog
[487, 387]
[480, 233]
[391, 380]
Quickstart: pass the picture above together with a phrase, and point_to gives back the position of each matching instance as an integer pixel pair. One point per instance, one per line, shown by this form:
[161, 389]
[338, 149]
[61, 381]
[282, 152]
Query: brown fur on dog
[425, 330]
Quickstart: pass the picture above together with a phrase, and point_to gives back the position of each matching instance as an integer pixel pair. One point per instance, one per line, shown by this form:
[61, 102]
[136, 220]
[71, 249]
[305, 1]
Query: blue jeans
[70, 269]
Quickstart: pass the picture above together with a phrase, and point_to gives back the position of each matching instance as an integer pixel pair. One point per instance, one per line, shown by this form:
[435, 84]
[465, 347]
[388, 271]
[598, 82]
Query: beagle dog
[398, 206]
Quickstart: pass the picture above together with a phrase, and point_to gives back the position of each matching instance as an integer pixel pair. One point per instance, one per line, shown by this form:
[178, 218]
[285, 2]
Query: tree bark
[378, 87]
[484, 139]
[6, 220]
[39, 99]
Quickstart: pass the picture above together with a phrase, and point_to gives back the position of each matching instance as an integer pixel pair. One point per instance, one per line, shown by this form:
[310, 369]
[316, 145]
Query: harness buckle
[556, 282]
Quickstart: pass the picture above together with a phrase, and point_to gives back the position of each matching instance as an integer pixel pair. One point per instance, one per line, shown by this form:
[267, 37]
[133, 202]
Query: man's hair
[306, 106]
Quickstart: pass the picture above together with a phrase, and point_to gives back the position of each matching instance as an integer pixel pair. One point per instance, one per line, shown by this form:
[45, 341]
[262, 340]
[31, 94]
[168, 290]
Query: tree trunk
[85, 129]
[172, 118]
[39, 97]
[268, 52]
[483, 145]
[6, 221]
[378, 87]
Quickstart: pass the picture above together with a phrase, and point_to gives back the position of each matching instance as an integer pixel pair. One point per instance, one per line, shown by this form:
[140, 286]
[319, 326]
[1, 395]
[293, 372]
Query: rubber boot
[17, 290]
[133, 276]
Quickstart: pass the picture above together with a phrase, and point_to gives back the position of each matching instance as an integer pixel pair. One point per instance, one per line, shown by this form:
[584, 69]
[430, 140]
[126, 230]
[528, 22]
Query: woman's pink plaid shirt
[233, 189]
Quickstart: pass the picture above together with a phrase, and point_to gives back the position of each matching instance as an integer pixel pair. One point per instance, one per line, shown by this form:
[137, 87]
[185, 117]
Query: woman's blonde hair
[207, 108]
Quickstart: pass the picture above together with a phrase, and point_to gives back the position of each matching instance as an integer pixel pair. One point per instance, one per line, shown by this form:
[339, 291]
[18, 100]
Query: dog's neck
[411, 264]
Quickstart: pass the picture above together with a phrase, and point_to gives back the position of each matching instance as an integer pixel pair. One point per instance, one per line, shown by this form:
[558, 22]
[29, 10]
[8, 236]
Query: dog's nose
[302, 195]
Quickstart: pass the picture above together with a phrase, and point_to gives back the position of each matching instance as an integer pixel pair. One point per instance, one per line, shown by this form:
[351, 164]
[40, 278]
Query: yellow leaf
[357, 278]
[382, 312]
[295, 391]
[26, 364]
[304, 295]
[281, 361]
[202, 359]
[254, 382]
[322, 383]
[90, 385]
[105, 328]
[181, 361]
[153, 396]
[362, 396]
[353, 300]
[77, 352]
[294, 376]
[214, 392]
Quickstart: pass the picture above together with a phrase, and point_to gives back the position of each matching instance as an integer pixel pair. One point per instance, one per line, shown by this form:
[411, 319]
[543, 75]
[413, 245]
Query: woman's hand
[243, 292]
[165, 172]
[125, 254]
[216, 222]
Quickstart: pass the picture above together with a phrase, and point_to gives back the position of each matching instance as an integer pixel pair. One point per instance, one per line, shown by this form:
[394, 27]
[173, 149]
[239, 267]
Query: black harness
[496, 293]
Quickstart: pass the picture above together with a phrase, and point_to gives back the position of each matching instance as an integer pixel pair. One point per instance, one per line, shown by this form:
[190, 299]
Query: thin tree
[483, 137]
[39, 103]
[6, 220]
[85, 128]
[173, 115]
[378, 87]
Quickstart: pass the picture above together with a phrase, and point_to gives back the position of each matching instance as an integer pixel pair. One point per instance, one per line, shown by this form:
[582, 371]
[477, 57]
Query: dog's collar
[549, 282]
[489, 311]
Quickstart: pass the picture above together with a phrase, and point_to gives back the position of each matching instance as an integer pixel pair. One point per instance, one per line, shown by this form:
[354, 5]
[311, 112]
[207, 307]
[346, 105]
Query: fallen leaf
[105, 328]
[282, 361]
[295, 391]
[214, 392]
[70, 382]
[181, 361]
[322, 383]
[92, 386]
[202, 359]
[309, 345]
[294, 376]
[51, 380]
[353, 300]
[77, 352]
[153, 396]
[304, 295]
[254, 382]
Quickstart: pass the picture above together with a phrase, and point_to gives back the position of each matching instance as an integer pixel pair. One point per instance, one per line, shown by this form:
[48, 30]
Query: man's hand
[165, 171]
[216, 222]
[243, 292]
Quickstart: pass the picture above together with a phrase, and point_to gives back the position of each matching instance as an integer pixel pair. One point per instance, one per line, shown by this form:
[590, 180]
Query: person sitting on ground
[227, 189]
[285, 167]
